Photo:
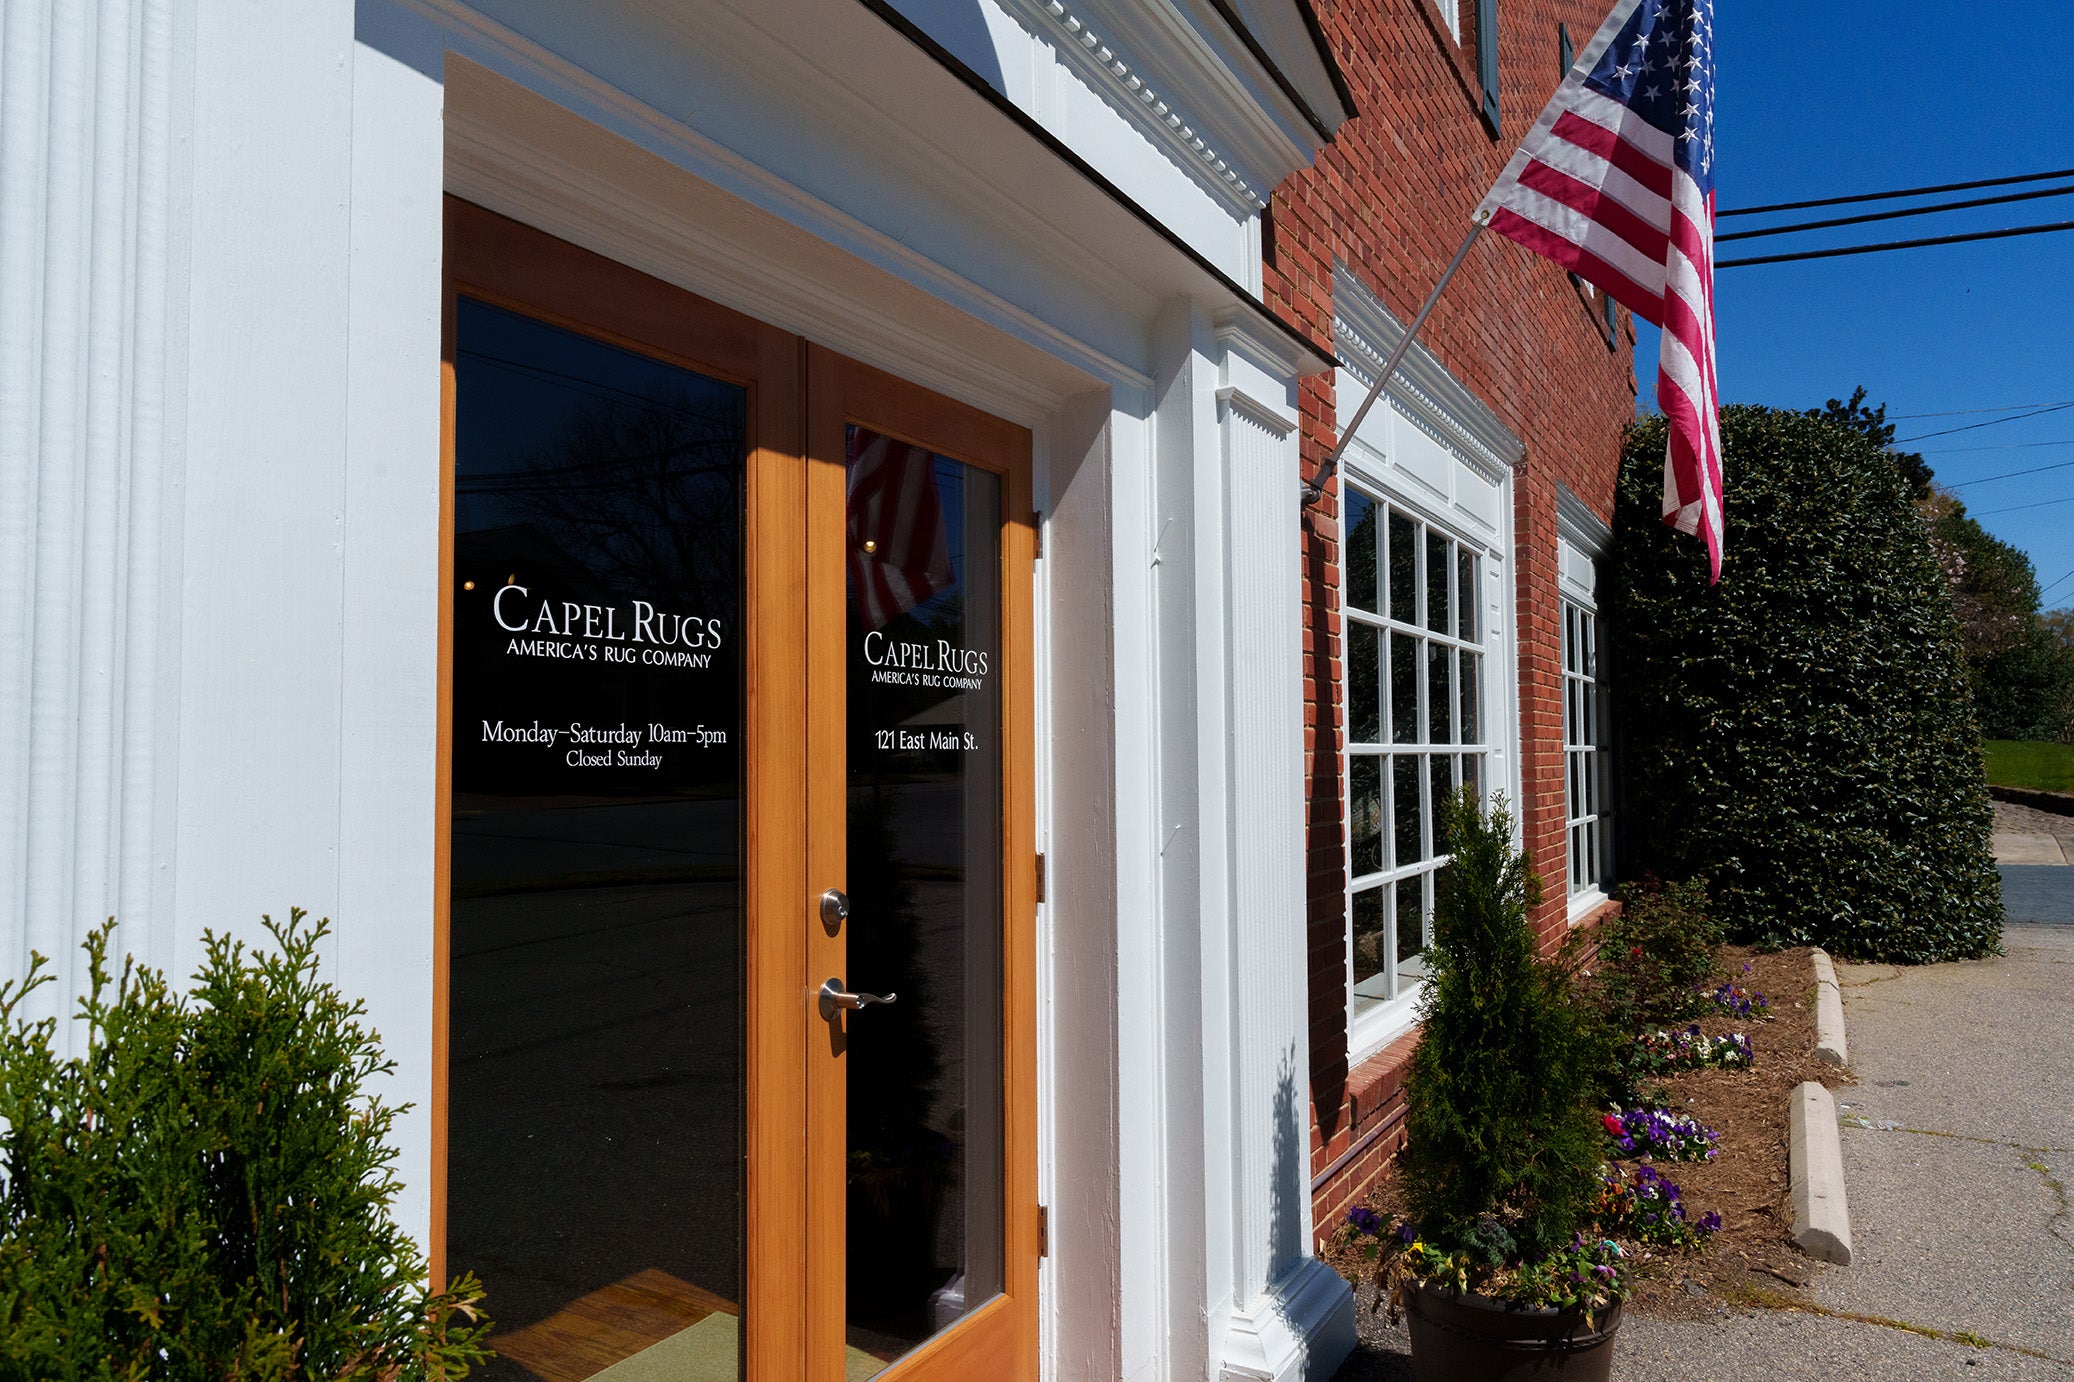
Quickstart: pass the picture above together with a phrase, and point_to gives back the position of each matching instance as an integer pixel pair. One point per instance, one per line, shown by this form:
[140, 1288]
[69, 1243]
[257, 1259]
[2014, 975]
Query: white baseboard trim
[1299, 1330]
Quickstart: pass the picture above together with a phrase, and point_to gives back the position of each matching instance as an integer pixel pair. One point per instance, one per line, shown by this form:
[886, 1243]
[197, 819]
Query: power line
[2039, 504]
[1894, 215]
[2043, 589]
[1896, 245]
[2012, 474]
[1996, 422]
[1998, 446]
[1903, 192]
[1962, 412]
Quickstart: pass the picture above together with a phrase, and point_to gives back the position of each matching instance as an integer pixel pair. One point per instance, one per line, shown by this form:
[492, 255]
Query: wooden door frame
[999, 1339]
[800, 399]
[493, 259]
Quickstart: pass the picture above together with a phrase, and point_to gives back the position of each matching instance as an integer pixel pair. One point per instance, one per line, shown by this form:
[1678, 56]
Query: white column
[1287, 1314]
[87, 249]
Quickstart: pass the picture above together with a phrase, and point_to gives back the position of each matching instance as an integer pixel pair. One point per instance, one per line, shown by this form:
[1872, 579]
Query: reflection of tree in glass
[638, 489]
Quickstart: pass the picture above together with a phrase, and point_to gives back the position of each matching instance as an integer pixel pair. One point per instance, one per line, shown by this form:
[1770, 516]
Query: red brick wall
[1391, 198]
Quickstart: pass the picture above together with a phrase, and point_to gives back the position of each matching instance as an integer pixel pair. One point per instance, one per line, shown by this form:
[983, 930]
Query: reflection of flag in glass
[900, 554]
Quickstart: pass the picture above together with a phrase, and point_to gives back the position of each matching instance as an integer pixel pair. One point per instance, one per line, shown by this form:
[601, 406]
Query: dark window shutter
[1487, 59]
[1565, 50]
[1612, 316]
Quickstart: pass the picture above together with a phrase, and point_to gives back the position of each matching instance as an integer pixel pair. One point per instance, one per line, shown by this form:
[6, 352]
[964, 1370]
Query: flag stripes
[1615, 182]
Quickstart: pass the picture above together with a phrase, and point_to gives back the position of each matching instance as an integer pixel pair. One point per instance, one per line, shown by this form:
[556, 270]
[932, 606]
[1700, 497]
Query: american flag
[900, 551]
[1616, 183]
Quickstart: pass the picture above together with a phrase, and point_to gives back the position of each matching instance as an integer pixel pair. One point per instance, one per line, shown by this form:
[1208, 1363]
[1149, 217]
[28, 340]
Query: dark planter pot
[1470, 1338]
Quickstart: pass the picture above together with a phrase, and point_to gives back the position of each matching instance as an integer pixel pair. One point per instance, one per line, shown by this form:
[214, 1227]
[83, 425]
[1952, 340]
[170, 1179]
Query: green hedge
[1800, 735]
[203, 1194]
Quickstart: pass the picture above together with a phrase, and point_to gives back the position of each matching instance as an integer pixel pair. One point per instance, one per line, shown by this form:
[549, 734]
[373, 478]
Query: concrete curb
[1829, 1014]
[1821, 1218]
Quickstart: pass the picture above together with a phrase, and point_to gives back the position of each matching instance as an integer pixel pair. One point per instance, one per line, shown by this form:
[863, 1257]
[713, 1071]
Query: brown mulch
[1746, 1184]
[1752, 1256]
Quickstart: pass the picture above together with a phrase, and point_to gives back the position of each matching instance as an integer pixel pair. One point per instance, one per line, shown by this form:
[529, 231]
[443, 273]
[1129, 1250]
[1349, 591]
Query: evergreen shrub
[1502, 1151]
[1801, 734]
[204, 1193]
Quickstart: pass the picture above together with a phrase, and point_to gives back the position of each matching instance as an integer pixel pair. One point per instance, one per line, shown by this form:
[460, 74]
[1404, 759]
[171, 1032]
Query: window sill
[1592, 909]
[1585, 903]
[1374, 1024]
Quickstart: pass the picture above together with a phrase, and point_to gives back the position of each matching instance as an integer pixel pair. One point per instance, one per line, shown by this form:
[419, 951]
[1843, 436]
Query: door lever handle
[835, 999]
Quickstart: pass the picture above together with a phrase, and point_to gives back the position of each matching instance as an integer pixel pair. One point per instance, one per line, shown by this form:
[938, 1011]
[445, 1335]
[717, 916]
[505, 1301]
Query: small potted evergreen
[1493, 1267]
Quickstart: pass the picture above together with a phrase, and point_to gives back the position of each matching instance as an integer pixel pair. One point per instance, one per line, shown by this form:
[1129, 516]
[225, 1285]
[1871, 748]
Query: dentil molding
[1423, 390]
[1175, 88]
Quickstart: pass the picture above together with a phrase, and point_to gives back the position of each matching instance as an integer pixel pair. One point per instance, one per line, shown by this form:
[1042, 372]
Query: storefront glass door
[735, 960]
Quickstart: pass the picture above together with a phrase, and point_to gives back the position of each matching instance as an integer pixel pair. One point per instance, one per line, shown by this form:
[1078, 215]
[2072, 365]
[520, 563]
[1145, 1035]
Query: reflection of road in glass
[594, 1098]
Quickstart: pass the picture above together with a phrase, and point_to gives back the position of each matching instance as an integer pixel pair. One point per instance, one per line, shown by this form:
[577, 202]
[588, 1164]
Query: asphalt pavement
[1958, 1144]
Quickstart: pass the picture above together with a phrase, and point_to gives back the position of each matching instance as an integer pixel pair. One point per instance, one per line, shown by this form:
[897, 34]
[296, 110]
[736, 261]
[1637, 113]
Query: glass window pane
[1365, 812]
[1442, 767]
[1359, 560]
[1468, 593]
[1405, 811]
[1371, 934]
[1472, 699]
[1404, 569]
[1588, 644]
[1411, 928]
[1404, 689]
[925, 1107]
[1440, 692]
[1364, 684]
[1440, 561]
[596, 1021]
[1472, 774]
[1569, 637]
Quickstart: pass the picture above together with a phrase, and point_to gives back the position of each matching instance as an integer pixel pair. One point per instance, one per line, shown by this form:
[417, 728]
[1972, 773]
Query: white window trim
[1578, 528]
[1373, 1024]
[1424, 396]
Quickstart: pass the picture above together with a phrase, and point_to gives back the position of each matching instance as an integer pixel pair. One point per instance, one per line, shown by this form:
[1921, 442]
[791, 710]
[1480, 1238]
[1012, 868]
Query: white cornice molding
[1156, 67]
[1149, 107]
[1584, 529]
[1276, 354]
[1423, 390]
[1234, 400]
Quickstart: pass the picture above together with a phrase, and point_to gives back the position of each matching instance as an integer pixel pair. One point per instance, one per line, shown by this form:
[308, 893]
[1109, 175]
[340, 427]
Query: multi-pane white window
[1584, 750]
[1416, 679]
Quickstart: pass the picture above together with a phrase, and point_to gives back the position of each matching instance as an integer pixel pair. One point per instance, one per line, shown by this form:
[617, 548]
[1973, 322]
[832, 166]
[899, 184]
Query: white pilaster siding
[1287, 1315]
[1439, 463]
[91, 269]
[221, 231]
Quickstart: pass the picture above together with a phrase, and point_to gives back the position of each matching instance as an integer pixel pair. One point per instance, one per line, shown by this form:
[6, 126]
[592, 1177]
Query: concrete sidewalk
[1958, 1146]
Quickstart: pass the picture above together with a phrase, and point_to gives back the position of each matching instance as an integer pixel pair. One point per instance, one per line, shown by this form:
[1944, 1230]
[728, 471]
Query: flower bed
[1733, 1000]
[1679, 1264]
[1660, 1133]
[1644, 1206]
[1660, 1052]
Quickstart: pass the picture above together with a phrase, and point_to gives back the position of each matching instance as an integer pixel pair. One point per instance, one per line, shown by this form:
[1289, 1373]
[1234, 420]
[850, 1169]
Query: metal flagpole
[1314, 488]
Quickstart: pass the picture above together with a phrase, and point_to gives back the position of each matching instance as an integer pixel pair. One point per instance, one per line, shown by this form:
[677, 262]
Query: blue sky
[1852, 96]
